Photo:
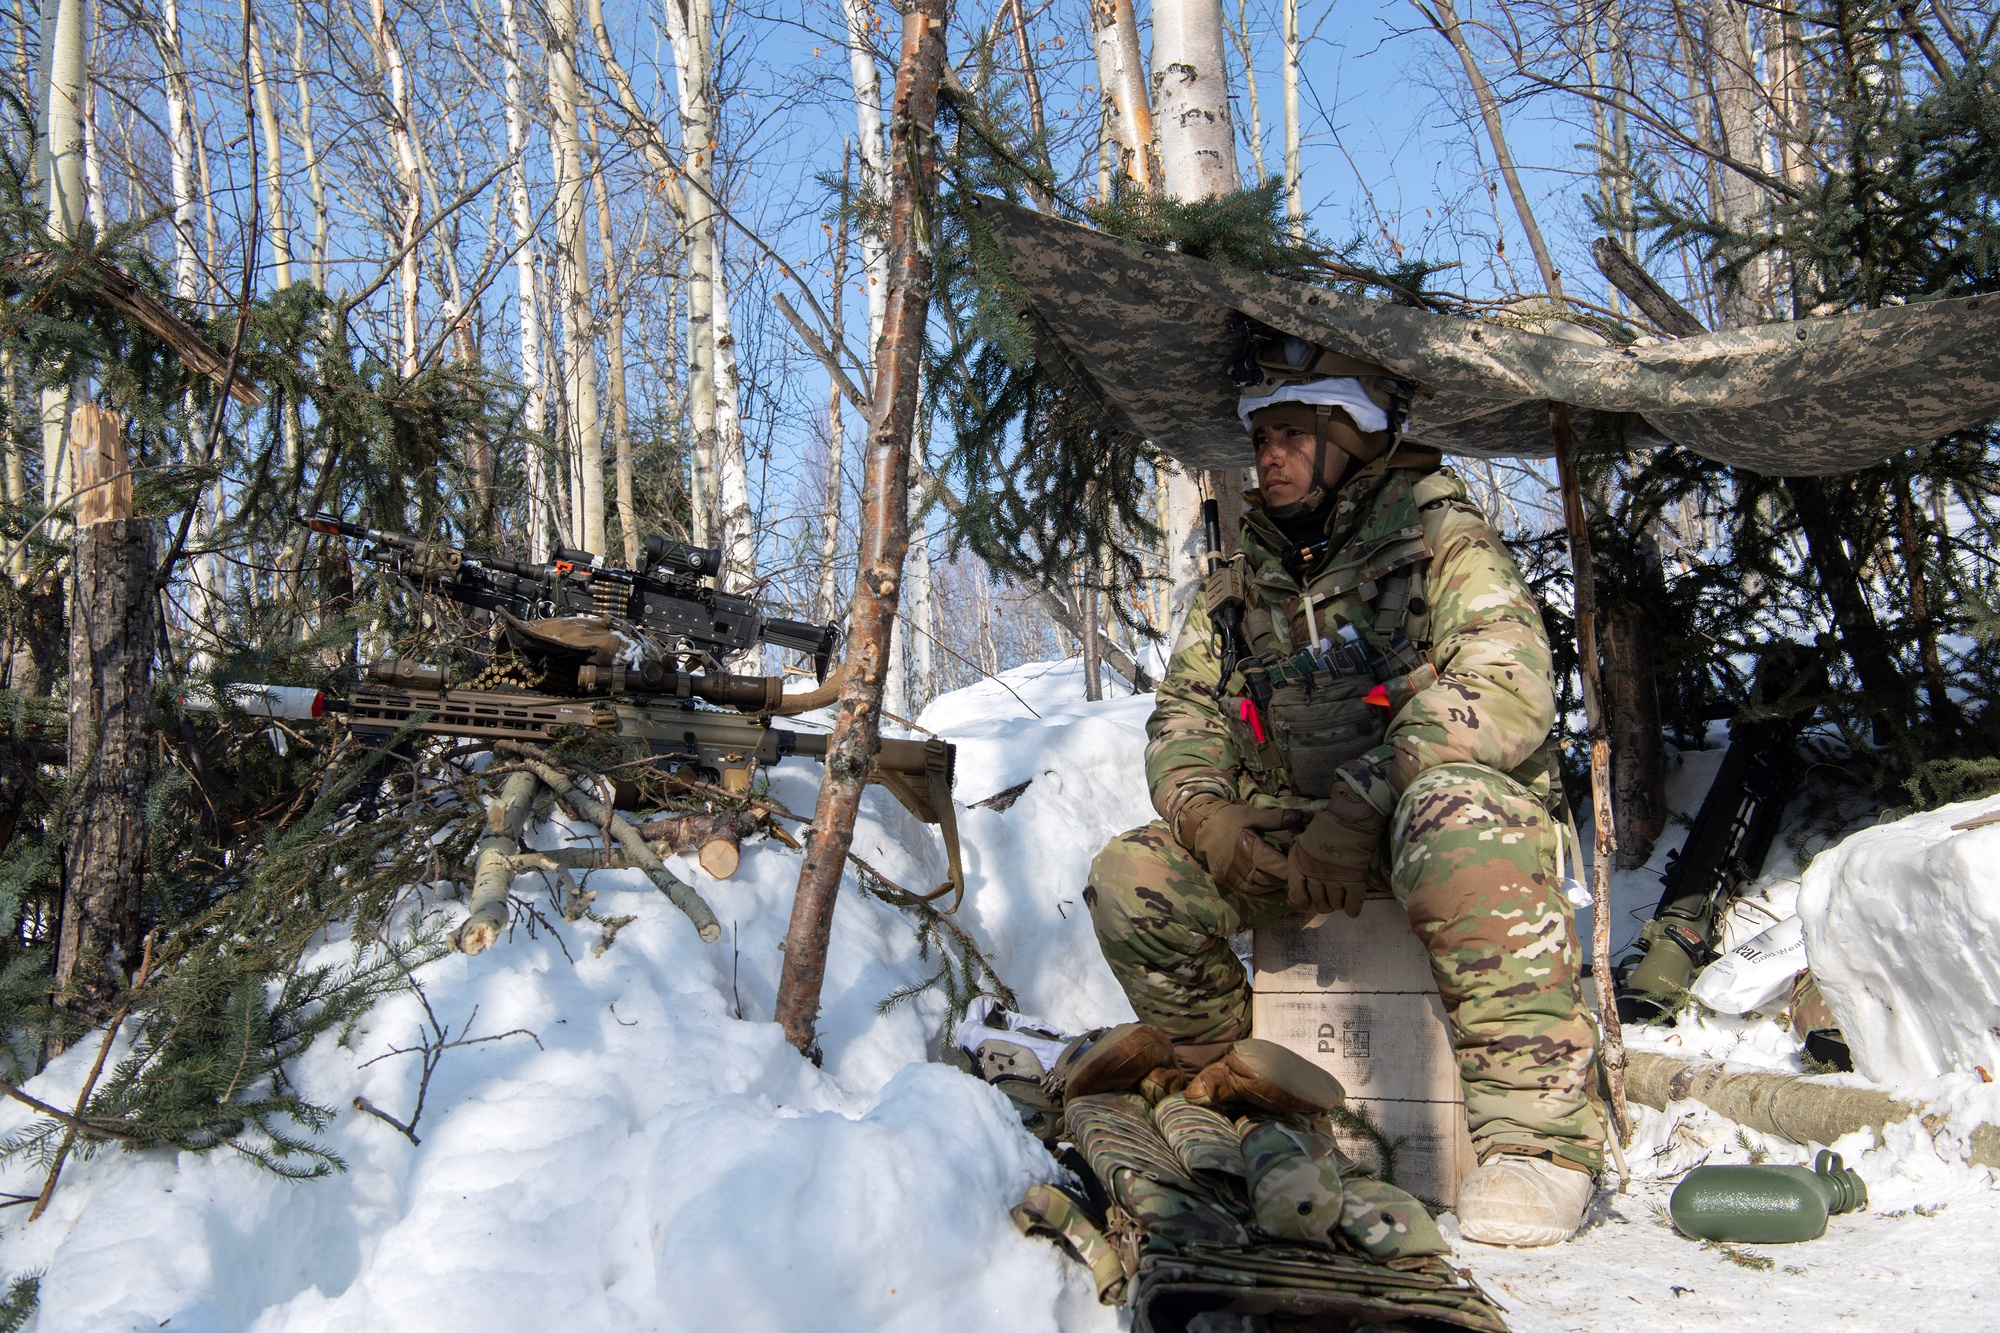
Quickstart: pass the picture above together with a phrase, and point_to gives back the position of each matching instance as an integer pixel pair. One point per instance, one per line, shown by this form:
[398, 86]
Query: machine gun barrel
[670, 599]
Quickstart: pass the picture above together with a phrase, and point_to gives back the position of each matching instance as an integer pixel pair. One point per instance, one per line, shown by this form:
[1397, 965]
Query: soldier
[1363, 697]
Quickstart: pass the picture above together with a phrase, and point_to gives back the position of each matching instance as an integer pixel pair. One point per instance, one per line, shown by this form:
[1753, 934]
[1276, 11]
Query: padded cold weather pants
[1471, 856]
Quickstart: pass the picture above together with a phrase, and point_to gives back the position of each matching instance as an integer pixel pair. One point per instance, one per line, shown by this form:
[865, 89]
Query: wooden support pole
[110, 746]
[1605, 847]
[885, 518]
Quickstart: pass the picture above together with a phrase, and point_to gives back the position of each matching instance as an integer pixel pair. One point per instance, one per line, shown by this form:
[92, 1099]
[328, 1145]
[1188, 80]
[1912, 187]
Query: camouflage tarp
[1152, 333]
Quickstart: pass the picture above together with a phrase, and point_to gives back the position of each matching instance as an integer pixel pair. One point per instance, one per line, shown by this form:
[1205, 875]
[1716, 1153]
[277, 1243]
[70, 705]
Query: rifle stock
[918, 774]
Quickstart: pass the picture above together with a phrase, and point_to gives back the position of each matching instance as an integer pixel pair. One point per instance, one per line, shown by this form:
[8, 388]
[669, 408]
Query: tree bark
[824, 608]
[1638, 749]
[276, 229]
[1121, 81]
[1191, 100]
[536, 406]
[110, 734]
[614, 348]
[584, 444]
[688, 34]
[1604, 827]
[856, 735]
[1295, 202]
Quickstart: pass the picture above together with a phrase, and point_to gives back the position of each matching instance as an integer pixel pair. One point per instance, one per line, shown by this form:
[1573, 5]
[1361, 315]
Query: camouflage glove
[1224, 837]
[1328, 867]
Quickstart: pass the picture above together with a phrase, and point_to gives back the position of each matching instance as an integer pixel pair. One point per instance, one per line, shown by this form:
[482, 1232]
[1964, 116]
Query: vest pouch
[1320, 731]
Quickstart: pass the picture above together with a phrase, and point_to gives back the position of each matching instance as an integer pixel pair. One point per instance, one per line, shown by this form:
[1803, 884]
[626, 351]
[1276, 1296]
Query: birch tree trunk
[93, 166]
[61, 153]
[866, 78]
[614, 347]
[1191, 100]
[1295, 199]
[402, 139]
[535, 409]
[584, 441]
[824, 608]
[735, 528]
[309, 147]
[688, 30]
[1254, 138]
[276, 228]
[1121, 81]
[1732, 71]
[1197, 148]
[856, 738]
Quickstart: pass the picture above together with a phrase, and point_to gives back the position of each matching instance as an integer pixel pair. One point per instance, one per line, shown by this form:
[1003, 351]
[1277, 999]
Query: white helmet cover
[1343, 392]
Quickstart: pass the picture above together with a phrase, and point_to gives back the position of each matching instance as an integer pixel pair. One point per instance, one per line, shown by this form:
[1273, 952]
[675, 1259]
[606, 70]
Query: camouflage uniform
[1460, 764]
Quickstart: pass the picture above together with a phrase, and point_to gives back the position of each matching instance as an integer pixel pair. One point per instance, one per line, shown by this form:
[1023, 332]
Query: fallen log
[1787, 1105]
[493, 870]
[622, 831]
[714, 838]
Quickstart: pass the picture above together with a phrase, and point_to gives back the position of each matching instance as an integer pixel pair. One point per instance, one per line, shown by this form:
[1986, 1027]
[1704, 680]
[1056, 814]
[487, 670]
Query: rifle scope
[681, 558]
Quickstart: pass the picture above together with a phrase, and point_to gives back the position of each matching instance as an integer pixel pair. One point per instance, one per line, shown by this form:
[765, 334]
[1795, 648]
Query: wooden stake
[885, 518]
[1606, 841]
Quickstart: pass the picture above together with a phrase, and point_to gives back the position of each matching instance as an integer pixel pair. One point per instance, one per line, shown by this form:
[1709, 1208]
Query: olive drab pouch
[1295, 1194]
[1385, 1223]
[1049, 1212]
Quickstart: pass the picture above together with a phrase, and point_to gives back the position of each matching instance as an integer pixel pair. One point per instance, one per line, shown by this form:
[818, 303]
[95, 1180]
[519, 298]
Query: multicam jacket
[1459, 655]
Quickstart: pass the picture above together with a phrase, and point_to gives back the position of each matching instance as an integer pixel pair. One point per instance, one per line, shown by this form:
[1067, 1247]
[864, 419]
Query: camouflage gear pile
[1264, 1215]
[1459, 763]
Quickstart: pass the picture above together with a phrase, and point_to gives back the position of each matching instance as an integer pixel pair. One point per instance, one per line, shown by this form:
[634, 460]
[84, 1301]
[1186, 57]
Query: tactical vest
[1359, 627]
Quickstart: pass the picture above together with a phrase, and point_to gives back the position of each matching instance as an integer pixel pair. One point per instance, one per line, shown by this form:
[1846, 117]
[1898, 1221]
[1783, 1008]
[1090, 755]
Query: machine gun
[673, 597]
[1726, 845]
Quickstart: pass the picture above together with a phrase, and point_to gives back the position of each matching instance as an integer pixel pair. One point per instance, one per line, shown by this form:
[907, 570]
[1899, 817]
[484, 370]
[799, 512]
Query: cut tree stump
[110, 751]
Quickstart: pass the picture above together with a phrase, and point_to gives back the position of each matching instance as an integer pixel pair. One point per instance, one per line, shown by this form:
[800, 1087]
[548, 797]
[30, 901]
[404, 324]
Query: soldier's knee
[1132, 867]
[1468, 830]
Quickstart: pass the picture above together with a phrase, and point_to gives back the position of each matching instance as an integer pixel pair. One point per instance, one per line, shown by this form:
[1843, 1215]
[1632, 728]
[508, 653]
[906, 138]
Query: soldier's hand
[1329, 863]
[1226, 837]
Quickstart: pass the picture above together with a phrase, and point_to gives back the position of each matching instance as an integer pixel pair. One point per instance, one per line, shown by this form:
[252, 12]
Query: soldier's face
[1285, 463]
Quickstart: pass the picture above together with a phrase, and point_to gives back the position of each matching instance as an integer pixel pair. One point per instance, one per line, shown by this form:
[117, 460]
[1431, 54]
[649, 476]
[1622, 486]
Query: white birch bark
[585, 438]
[734, 528]
[1121, 80]
[688, 31]
[1737, 103]
[826, 603]
[402, 138]
[1247, 51]
[535, 409]
[866, 77]
[309, 146]
[1191, 100]
[61, 151]
[93, 166]
[1295, 198]
[277, 229]
[614, 348]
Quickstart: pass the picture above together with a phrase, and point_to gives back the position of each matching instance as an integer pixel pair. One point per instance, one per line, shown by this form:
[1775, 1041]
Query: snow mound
[1902, 925]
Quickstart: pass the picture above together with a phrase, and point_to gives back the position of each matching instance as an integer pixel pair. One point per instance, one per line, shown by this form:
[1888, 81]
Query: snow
[1902, 924]
[656, 1157]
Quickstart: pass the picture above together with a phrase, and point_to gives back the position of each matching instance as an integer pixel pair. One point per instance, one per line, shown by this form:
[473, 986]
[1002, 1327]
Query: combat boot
[1268, 1076]
[1517, 1200]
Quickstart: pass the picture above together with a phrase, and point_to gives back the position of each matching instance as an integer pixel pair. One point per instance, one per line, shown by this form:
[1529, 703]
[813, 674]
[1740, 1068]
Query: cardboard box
[1356, 998]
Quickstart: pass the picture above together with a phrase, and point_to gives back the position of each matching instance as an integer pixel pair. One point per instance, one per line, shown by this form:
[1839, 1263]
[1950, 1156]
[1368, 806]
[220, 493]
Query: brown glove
[1328, 866]
[1223, 836]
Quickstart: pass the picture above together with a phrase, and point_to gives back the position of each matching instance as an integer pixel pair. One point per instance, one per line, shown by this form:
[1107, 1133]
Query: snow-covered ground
[655, 1156]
